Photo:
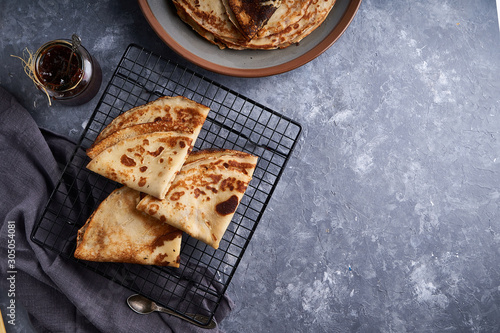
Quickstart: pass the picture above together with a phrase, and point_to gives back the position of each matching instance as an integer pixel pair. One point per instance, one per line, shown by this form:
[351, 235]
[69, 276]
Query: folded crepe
[126, 133]
[181, 113]
[205, 194]
[264, 25]
[210, 16]
[286, 15]
[313, 17]
[118, 232]
[250, 15]
[147, 163]
[146, 146]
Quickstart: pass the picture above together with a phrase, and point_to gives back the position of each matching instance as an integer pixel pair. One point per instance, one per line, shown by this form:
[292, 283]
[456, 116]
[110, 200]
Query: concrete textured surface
[387, 217]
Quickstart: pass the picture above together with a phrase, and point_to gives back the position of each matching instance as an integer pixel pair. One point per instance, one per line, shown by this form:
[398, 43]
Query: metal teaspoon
[143, 305]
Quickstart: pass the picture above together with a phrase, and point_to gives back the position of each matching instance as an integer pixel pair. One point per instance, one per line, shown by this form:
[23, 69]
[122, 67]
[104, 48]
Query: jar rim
[56, 42]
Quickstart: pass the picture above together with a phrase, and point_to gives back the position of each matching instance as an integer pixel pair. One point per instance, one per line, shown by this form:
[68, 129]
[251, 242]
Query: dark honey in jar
[66, 73]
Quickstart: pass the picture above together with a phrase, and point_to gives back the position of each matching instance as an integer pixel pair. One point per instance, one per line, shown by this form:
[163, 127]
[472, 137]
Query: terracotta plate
[162, 17]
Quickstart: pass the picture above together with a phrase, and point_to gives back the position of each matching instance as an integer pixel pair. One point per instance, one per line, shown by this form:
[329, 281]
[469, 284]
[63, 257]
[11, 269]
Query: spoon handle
[198, 317]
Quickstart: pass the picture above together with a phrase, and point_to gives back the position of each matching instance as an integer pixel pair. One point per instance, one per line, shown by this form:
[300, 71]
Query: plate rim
[301, 60]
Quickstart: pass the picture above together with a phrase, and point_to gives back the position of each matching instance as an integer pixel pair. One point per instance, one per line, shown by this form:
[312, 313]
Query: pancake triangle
[180, 113]
[146, 146]
[252, 15]
[146, 163]
[118, 232]
[205, 194]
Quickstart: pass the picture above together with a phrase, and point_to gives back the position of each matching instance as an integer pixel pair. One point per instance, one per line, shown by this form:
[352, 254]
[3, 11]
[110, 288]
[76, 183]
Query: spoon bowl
[143, 305]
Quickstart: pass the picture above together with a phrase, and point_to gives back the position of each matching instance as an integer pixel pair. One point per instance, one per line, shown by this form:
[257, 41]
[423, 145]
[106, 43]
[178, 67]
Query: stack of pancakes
[254, 24]
[168, 189]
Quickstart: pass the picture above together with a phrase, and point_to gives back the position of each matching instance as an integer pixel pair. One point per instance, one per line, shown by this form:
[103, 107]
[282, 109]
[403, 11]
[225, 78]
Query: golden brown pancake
[211, 15]
[146, 163]
[205, 194]
[251, 15]
[129, 132]
[239, 25]
[182, 114]
[146, 146]
[287, 14]
[118, 232]
[198, 28]
[315, 14]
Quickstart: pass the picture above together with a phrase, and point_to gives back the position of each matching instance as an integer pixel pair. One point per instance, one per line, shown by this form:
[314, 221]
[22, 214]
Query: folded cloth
[59, 295]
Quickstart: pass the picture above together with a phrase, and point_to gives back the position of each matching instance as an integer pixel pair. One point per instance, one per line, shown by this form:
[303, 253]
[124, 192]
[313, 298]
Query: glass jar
[72, 78]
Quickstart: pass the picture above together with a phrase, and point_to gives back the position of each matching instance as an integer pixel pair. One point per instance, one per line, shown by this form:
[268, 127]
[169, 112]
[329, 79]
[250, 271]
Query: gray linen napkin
[57, 294]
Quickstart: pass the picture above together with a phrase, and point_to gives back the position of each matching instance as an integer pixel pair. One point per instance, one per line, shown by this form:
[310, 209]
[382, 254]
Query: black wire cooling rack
[234, 122]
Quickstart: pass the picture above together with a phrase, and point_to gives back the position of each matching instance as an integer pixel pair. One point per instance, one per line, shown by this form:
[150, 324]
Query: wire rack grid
[234, 122]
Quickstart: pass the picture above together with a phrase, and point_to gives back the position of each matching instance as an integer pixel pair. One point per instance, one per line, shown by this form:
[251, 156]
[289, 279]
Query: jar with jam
[66, 71]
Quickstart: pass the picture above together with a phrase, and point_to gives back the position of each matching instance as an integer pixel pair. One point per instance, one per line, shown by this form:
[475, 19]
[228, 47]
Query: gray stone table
[387, 216]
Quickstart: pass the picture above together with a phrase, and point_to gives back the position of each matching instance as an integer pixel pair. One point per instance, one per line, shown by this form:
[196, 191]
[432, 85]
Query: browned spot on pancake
[142, 182]
[176, 196]
[145, 142]
[188, 118]
[160, 260]
[179, 206]
[241, 186]
[252, 15]
[227, 207]
[166, 118]
[139, 149]
[182, 144]
[127, 161]
[168, 237]
[208, 224]
[215, 178]
[172, 141]
[100, 236]
[178, 259]
[242, 167]
[163, 219]
[233, 184]
[214, 238]
[143, 168]
[228, 184]
[198, 192]
[153, 208]
[210, 188]
[161, 160]
[157, 152]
